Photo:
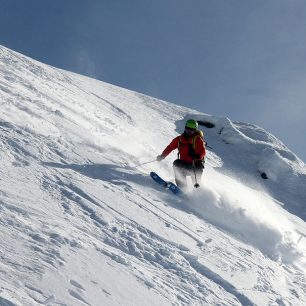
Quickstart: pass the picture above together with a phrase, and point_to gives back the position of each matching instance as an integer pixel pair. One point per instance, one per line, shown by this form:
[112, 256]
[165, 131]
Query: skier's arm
[199, 151]
[172, 146]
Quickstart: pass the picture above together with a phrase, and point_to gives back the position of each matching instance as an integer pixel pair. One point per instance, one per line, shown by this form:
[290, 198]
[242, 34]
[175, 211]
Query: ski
[167, 185]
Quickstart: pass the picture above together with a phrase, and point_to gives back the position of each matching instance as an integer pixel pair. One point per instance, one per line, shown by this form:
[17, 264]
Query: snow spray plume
[250, 215]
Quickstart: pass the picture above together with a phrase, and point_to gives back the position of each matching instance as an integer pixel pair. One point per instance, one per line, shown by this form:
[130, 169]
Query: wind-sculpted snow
[82, 222]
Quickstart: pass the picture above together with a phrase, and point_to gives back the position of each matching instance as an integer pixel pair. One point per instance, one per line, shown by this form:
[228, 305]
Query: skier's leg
[180, 178]
[180, 175]
[196, 174]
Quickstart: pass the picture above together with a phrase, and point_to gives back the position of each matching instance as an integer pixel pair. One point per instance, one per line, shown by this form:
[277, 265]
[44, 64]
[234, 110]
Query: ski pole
[196, 185]
[149, 162]
[207, 146]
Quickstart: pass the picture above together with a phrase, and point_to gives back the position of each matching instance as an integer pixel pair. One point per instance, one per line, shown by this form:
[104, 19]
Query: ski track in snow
[81, 225]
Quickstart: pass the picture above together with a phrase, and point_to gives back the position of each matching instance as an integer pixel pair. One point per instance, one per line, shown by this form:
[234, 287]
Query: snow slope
[82, 223]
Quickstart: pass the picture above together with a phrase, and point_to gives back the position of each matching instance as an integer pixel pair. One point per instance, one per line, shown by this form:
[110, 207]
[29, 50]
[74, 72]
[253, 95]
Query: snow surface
[82, 222]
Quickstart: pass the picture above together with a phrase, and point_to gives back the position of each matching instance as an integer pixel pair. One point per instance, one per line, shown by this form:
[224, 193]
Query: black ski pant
[183, 169]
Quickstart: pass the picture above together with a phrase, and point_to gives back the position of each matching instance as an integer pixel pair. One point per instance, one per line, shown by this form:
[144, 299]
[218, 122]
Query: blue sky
[244, 59]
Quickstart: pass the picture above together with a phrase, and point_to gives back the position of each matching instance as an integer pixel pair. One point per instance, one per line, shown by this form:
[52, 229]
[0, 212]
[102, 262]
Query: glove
[160, 157]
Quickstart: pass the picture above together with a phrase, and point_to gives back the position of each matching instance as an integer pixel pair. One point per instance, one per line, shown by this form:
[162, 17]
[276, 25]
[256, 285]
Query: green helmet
[192, 124]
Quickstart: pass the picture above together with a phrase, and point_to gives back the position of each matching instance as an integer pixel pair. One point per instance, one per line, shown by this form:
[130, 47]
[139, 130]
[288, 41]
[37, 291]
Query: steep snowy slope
[82, 223]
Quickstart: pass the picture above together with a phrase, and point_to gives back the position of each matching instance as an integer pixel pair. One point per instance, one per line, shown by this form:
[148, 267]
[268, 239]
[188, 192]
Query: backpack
[198, 133]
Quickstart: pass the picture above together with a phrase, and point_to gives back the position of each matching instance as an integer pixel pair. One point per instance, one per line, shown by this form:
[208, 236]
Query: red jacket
[186, 144]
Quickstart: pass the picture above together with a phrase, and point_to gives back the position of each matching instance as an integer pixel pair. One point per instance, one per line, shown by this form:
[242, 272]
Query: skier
[191, 153]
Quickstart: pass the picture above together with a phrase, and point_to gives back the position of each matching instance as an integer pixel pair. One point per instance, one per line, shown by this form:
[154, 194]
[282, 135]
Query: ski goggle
[189, 129]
